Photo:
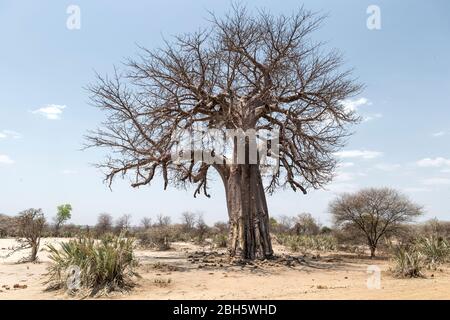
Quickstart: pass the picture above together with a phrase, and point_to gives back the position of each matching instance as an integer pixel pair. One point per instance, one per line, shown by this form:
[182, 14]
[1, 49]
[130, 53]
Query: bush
[408, 262]
[305, 243]
[107, 264]
[435, 227]
[72, 230]
[435, 250]
[220, 240]
[8, 226]
[158, 237]
[104, 224]
[305, 224]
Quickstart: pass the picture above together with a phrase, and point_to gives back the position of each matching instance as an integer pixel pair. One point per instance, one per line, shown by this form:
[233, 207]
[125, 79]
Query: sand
[175, 276]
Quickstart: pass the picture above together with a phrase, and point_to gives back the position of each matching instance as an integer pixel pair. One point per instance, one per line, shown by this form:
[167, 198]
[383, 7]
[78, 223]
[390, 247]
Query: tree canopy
[245, 71]
[374, 213]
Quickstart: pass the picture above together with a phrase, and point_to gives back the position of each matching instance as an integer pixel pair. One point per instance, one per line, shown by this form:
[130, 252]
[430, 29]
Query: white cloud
[68, 172]
[346, 164]
[4, 159]
[439, 134]
[438, 162]
[51, 111]
[372, 117]
[436, 181]
[387, 166]
[343, 177]
[353, 105]
[342, 187]
[6, 134]
[363, 154]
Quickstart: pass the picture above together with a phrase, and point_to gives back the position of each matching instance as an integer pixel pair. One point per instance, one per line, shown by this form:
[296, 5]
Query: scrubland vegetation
[103, 254]
[107, 264]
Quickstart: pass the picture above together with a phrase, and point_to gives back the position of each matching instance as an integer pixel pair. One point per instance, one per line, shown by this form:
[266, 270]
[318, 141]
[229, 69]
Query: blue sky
[403, 142]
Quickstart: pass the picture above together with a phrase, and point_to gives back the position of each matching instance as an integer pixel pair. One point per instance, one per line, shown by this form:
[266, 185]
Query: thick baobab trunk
[247, 208]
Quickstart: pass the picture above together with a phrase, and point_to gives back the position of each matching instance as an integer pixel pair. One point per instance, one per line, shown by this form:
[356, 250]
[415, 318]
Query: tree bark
[249, 218]
[34, 251]
[373, 249]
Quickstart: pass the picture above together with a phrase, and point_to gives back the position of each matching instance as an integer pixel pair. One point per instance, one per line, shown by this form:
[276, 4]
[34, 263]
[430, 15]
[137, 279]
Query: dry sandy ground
[332, 276]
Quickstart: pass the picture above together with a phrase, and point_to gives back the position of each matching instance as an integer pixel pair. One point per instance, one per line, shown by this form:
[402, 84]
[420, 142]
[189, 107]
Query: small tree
[285, 223]
[104, 223]
[63, 214]
[373, 213]
[188, 221]
[162, 220]
[123, 223]
[201, 228]
[146, 223]
[30, 223]
[306, 224]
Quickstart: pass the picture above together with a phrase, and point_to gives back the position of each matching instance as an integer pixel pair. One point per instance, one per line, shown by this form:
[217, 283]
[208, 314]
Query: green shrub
[435, 250]
[220, 240]
[107, 264]
[304, 242]
[156, 237]
[408, 262]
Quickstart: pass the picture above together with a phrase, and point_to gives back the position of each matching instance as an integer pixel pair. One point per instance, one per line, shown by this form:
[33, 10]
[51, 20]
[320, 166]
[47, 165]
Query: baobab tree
[373, 213]
[245, 72]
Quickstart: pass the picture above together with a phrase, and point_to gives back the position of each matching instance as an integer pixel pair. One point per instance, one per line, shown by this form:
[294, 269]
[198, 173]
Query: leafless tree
[146, 223]
[30, 225]
[201, 228]
[373, 213]
[123, 223]
[104, 223]
[188, 221]
[245, 72]
[285, 223]
[306, 224]
[162, 220]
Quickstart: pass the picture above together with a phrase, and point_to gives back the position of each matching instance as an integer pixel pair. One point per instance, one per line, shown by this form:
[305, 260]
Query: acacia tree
[146, 223]
[62, 215]
[244, 72]
[373, 213]
[104, 223]
[306, 224]
[30, 224]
